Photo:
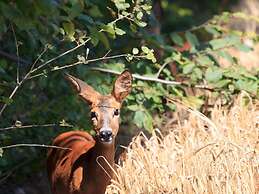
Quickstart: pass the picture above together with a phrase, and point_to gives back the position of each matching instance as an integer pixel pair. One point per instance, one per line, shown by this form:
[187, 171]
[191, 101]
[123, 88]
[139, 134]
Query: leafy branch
[33, 69]
[84, 61]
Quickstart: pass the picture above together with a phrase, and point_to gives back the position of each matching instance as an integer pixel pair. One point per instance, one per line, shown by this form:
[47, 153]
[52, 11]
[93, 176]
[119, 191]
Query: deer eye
[116, 112]
[93, 115]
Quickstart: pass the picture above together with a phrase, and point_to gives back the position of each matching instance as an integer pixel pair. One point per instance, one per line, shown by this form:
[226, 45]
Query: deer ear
[122, 86]
[85, 91]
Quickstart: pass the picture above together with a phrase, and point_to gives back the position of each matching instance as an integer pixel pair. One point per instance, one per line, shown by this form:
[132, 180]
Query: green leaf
[171, 106]
[114, 66]
[240, 15]
[213, 74]
[145, 49]
[224, 42]
[247, 85]
[221, 83]
[134, 107]
[64, 123]
[135, 51]
[103, 38]
[133, 27]
[94, 11]
[121, 5]
[147, 8]
[149, 53]
[148, 122]
[109, 28]
[151, 56]
[225, 16]
[218, 43]
[197, 73]
[119, 31]
[233, 39]
[75, 10]
[139, 15]
[188, 68]
[226, 56]
[243, 47]
[140, 23]
[232, 73]
[176, 39]
[204, 60]
[139, 118]
[94, 36]
[192, 39]
[243, 71]
[212, 30]
[69, 28]
[86, 18]
[129, 57]
[193, 101]
[6, 100]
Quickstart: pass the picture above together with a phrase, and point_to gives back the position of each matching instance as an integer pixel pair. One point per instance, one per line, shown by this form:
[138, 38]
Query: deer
[86, 166]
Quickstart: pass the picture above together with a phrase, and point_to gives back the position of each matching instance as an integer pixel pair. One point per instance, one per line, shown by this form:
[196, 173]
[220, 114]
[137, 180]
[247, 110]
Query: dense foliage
[169, 51]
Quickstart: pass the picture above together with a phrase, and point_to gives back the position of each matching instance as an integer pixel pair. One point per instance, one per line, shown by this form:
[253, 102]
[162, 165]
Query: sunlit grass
[197, 156]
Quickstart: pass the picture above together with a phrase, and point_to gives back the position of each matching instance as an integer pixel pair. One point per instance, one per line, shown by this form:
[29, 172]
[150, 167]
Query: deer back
[65, 167]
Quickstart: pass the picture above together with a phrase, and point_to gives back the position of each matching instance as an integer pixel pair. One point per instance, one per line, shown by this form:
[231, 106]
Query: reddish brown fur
[59, 162]
[77, 171]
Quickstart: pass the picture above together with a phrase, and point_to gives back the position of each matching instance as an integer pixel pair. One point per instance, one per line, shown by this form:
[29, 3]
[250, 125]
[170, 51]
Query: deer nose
[105, 135]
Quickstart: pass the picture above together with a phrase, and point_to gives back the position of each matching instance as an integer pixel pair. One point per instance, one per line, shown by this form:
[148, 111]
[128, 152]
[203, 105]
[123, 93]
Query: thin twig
[39, 57]
[108, 52]
[10, 97]
[153, 79]
[61, 55]
[161, 69]
[105, 57]
[17, 54]
[140, 77]
[34, 145]
[56, 69]
[32, 126]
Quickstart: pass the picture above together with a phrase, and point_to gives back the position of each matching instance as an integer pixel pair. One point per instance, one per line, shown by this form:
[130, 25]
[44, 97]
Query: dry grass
[220, 155]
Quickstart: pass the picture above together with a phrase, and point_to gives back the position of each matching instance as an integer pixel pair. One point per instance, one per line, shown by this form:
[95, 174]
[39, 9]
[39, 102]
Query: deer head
[105, 109]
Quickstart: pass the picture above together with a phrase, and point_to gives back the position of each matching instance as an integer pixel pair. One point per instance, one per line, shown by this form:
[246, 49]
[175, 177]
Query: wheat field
[198, 155]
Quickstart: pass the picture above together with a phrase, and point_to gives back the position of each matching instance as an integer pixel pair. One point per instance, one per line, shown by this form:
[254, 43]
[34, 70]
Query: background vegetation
[174, 49]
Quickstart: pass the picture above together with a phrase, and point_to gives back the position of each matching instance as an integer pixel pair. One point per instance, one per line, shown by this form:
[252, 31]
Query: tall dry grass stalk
[195, 157]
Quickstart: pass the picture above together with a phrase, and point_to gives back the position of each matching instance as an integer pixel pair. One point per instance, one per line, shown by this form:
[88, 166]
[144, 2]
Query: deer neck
[99, 167]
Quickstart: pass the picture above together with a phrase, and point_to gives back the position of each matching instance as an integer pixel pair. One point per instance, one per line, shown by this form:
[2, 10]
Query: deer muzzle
[105, 135]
